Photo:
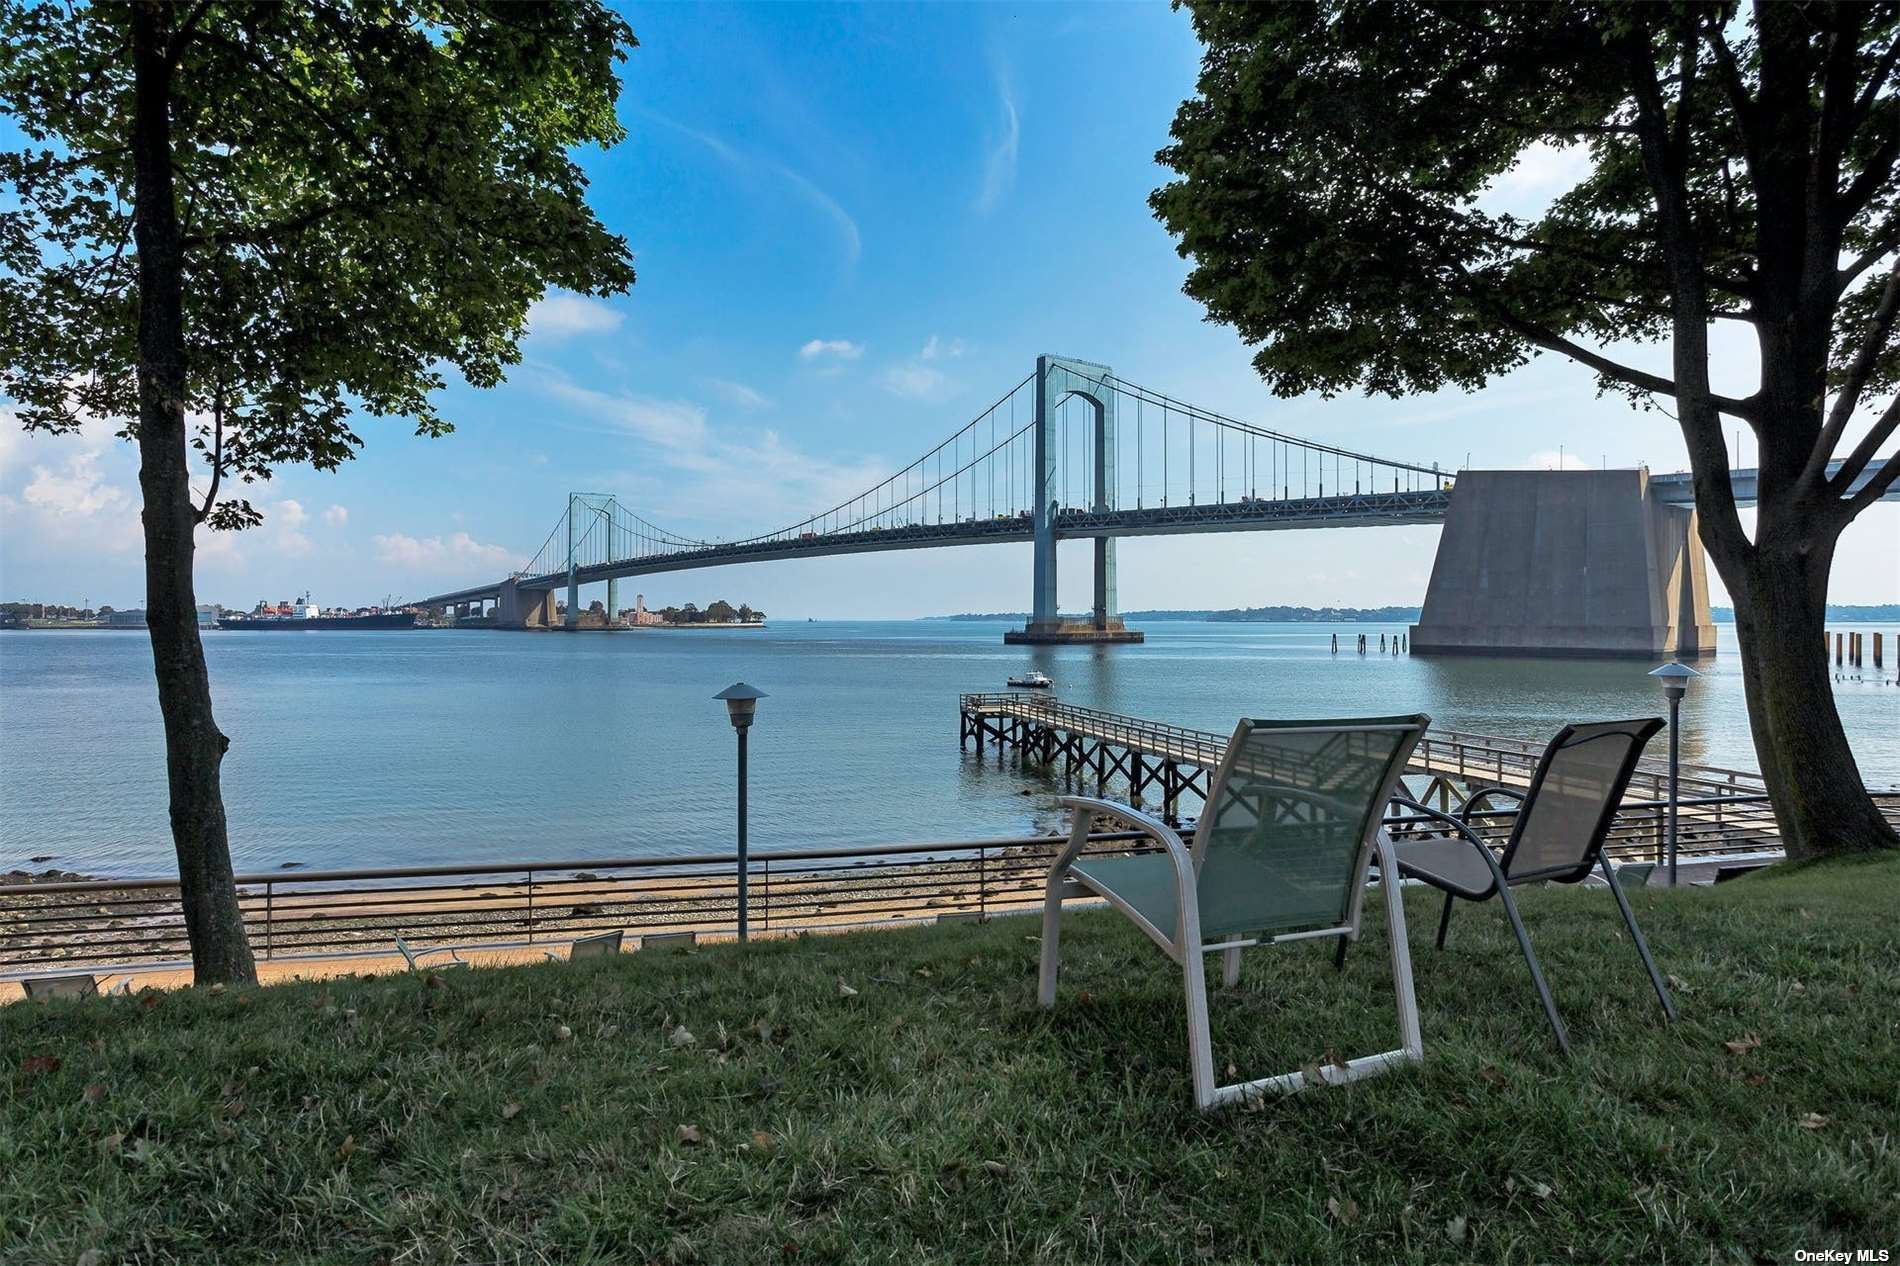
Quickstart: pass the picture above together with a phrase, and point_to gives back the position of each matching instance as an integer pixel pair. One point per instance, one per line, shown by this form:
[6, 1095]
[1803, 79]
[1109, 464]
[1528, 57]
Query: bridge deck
[1721, 810]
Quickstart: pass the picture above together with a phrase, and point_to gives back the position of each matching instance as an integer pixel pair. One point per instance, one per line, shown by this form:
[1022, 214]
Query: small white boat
[1031, 681]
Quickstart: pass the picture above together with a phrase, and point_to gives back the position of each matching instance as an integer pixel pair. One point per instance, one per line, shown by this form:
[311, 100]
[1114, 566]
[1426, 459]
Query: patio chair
[1280, 853]
[414, 956]
[600, 946]
[76, 986]
[1556, 836]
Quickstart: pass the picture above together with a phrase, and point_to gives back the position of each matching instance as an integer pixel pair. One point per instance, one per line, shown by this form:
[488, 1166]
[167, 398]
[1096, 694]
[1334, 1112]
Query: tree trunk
[194, 747]
[1821, 805]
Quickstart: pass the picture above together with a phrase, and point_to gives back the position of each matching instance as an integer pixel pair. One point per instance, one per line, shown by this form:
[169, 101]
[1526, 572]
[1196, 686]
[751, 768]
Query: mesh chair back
[79, 986]
[1287, 833]
[1572, 799]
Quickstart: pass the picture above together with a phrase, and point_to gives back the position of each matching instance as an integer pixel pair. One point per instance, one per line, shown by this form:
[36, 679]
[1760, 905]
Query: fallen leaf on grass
[1491, 1074]
[34, 1064]
[111, 1143]
[689, 1135]
[95, 1092]
[562, 1033]
[1312, 1072]
[996, 1168]
[844, 990]
[1678, 984]
[1743, 1044]
[434, 981]
[681, 1038]
[1755, 1079]
[509, 1111]
[1343, 1211]
[1812, 1121]
[348, 1146]
[217, 989]
[763, 1142]
[91, 1257]
[1455, 1229]
[233, 1109]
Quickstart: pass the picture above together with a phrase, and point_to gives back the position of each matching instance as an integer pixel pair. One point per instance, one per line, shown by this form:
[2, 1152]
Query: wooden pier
[1151, 763]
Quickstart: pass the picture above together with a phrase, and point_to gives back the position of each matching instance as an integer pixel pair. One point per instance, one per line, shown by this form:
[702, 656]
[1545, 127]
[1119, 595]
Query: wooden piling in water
[1876, 650]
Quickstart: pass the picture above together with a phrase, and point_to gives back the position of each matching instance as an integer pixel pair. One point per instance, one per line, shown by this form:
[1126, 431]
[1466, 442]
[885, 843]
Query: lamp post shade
[741, 702]
[1674, 678]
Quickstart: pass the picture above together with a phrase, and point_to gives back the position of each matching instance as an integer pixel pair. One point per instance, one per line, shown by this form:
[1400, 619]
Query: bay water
[378, 748]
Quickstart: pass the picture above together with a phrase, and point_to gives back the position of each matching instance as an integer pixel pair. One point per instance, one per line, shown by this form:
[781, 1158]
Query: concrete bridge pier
[1058, 378]
[518, 608]
[613, 603]
[1573, 562]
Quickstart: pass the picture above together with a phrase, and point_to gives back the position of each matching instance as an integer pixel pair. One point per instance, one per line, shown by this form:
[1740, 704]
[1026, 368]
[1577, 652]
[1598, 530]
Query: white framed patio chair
[413, 956]
[1281, 853]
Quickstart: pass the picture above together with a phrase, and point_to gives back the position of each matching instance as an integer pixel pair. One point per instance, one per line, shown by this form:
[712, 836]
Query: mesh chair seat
[1238, 892]
[1145, 884]
[1446, 863]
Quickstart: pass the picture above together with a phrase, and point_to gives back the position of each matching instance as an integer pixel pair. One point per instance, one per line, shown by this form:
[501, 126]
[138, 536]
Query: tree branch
[217, 450]
[1870, 443]
[1875, 488]
[1866, 356]
[182, 36]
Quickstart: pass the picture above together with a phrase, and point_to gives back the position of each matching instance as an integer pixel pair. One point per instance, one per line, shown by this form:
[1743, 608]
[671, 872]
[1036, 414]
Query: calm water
[413, 748]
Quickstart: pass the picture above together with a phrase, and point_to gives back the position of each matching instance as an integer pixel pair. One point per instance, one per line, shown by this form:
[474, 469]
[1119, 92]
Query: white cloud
[559, 314]
[936, 347]
[999, 169]
[435, 551]
[738, 394]
[337, 516]
[913, 382]
[1556, 459]
[843, 349]
[291, 514]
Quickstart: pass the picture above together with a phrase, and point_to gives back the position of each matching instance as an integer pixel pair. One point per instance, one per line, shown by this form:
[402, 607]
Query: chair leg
[1642, 946]
[1229, 968]
[1200, 1040]
[1444, 921]
[1051, 941]
[1413, 1043]
[1339, 953]
[1537, 973]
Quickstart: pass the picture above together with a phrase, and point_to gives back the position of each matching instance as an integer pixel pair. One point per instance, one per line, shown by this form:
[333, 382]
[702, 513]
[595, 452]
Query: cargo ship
[304, 614]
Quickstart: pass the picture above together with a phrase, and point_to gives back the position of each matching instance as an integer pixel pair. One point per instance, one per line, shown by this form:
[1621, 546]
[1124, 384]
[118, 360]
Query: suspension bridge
[1585, 561]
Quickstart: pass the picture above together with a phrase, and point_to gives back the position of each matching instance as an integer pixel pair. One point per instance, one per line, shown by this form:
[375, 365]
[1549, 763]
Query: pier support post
[613, 603]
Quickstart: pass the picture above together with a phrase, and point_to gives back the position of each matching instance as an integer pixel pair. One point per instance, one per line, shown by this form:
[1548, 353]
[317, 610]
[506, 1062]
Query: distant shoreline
[1873, 613]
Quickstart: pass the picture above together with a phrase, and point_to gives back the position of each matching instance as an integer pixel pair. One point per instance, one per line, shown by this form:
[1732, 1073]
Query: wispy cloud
[999, 168]
[559, 314]
[913, 382]
[722, 470]
[948, 349]
[429, 552]
[842, 349]
[827, 205]
[337, 516]
[738, 394]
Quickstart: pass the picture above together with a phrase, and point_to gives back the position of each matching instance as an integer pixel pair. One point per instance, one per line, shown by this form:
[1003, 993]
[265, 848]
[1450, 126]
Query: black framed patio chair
[1556, 836]
[1281, 853]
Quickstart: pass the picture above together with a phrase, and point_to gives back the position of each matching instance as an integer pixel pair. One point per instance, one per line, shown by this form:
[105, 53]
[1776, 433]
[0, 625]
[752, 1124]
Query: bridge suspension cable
[983, 477]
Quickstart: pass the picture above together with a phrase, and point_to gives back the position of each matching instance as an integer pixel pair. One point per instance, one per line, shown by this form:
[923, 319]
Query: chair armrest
[1464, 832]
[1465, 810]
[1085, 809]
[1188, 933]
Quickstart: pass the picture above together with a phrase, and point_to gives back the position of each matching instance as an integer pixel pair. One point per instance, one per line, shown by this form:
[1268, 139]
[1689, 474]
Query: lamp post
[741, 702]
[1674, 679]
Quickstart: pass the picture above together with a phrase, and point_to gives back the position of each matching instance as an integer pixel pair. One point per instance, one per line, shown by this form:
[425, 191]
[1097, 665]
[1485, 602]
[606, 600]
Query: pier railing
[1469, 758]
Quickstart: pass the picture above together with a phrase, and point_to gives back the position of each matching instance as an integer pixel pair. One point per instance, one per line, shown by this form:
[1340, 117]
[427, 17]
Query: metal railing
[1470, 757]
[330, 913]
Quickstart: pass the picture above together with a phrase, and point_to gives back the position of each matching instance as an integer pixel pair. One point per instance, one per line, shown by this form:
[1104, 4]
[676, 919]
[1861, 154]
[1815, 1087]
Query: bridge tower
[1058, 378]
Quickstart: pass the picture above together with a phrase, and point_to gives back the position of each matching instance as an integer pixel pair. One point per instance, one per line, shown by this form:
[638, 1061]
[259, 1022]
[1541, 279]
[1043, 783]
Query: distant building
[126, 619]
[208, 613]
[640, 614]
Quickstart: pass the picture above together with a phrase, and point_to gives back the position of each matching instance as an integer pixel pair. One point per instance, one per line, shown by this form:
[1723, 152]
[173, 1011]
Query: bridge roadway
[1255, 514]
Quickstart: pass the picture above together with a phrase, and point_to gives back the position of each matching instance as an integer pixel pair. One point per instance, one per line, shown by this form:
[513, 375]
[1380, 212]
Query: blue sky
[854, 228]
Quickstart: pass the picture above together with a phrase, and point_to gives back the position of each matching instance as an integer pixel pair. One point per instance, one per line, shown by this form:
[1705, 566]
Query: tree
[1332, 172]
[235, 227]
[719, 611]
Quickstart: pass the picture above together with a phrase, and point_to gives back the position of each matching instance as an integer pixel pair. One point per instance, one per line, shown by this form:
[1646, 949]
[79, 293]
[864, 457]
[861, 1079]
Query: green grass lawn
[559, 1113]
